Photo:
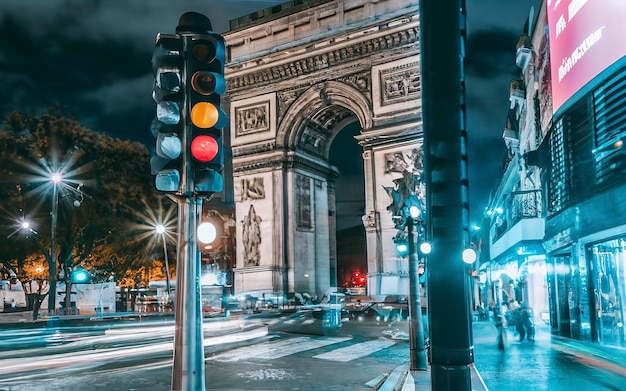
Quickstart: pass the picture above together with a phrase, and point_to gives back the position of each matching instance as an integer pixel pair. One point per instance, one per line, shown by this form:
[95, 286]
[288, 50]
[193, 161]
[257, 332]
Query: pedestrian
[501, 325]
[525, 322]
[518, 321]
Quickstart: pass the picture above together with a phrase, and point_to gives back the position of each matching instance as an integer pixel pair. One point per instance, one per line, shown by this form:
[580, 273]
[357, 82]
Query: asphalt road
[290, 353]
[267, 354]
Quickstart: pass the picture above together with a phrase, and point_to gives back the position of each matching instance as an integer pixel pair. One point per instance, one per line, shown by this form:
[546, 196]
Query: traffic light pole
[416, 332]
[445, 143]
[189, 80]
[188, 369]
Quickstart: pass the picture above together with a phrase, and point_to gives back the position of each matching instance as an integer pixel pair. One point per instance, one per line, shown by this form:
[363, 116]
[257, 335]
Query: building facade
[558, 217]
[297, 74]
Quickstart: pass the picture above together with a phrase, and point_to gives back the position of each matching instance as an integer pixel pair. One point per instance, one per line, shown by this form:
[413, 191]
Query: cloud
[491, 52]
[93, 58]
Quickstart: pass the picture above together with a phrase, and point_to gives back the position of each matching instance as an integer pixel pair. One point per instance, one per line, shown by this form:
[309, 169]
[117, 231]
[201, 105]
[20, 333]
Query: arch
[315, 100]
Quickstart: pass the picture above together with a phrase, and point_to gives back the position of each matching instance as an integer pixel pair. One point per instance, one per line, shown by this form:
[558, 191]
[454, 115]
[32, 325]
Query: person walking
[518, 321]
[525, 324]
[501, 325]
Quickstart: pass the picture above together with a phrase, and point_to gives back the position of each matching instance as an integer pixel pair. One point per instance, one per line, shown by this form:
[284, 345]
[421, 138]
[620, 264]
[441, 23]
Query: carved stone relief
[399, 84]
[249, 189]
[313, 141]
[253, 118]
[303, 202]
[407, 160]
[286, 98]
[251, 236]
[359, 81]
[410, 164]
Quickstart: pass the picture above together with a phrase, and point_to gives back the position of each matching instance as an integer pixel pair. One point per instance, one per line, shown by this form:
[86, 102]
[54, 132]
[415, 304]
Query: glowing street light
[469, 256]
[160, 229]
[207, 233]
[56, 179]
[426, 248]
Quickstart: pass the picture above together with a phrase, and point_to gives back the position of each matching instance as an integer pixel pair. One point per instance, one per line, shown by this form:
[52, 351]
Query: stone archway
[290, 91]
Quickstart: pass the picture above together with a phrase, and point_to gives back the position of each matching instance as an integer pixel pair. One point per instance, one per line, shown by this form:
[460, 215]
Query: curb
[404, 379]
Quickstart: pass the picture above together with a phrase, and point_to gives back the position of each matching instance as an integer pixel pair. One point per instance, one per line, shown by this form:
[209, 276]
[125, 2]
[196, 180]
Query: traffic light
[204, 73]
[402, 244]
[80, 276]
[209, 235]
[167, 127]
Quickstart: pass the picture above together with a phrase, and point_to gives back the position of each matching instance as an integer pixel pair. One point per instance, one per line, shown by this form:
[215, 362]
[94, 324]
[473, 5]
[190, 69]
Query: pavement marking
[355, 351]
[273, 350]
[268, 374]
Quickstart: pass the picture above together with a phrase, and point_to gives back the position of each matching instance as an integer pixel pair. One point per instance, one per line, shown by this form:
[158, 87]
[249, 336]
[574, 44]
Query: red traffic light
[204, 148]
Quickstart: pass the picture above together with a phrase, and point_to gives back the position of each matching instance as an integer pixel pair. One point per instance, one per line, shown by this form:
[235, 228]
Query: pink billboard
[586, 36]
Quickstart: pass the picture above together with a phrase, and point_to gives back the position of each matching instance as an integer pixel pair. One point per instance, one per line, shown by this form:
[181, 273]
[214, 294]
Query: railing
[525, 204]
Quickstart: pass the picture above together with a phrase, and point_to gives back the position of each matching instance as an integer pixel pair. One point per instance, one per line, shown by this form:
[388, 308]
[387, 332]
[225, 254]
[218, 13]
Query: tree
[110, 182]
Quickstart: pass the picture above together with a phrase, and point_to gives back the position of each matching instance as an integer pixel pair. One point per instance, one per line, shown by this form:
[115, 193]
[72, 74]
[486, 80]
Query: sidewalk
[612, 358]
[607, 359]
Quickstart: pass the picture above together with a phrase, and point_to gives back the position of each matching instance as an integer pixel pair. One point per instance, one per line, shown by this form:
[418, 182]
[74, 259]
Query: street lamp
[56, 179]
[160, 229]
[416, 331]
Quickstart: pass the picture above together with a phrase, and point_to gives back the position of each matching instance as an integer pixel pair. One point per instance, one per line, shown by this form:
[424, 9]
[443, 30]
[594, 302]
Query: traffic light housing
[205, 55]
[189, 80]
[168, 126]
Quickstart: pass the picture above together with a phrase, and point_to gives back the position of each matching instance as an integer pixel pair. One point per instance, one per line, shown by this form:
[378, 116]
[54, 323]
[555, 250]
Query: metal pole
[188, 368]
[445, 144]
[52, 292]
[167, 269]
[416, 331]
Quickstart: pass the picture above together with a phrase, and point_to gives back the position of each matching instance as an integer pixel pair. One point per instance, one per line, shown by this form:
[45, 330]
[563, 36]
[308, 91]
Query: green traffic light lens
[204, 53]
[207, 83]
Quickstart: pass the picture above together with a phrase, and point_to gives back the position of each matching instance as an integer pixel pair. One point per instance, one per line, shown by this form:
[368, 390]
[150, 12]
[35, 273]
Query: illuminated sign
[586, 36]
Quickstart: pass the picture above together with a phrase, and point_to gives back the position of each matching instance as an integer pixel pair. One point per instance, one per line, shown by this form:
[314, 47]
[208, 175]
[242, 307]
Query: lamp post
[56, 178]
[160, 229]
[416, 332]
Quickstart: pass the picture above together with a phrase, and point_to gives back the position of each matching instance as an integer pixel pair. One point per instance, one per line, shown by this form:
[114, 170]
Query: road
[256, 354]
[288, 353]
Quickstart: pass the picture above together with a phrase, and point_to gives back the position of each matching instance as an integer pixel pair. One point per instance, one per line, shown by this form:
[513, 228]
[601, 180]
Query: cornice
[253, 149]
[331, 58]
[285, 162]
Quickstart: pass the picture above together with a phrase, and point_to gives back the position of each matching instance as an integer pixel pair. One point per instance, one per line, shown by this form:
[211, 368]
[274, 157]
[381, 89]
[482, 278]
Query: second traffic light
[204, 75]
[167, 127]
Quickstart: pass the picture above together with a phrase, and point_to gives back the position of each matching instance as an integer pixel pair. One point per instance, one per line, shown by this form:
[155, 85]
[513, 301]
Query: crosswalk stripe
[273, 350]
[355, 351]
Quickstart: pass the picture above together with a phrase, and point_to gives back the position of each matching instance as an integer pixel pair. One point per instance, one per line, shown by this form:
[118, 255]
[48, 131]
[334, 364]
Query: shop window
[608, 274]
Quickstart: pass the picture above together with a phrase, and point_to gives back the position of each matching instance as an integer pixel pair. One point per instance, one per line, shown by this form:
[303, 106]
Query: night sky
[92, 57]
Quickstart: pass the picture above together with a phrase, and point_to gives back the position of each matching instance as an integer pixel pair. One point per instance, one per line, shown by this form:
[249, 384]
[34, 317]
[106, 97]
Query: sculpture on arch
[251, 238]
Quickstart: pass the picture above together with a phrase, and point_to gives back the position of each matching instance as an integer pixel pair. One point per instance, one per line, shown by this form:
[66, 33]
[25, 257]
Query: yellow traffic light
[204, 115]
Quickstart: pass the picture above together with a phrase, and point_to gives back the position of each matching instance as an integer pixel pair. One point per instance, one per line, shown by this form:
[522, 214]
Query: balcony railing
[525, 204]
